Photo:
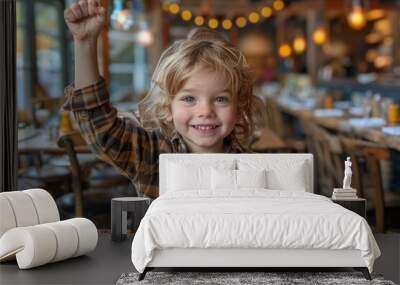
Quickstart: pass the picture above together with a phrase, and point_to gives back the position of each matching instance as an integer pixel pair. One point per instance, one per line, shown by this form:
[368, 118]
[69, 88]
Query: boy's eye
[222, 99]
[188, 99]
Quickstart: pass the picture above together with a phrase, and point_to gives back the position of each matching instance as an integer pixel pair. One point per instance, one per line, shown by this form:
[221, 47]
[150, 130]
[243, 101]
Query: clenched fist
[85, 19]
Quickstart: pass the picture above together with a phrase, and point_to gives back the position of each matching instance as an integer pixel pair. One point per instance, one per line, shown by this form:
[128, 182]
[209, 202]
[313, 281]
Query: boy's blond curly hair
[208, 49]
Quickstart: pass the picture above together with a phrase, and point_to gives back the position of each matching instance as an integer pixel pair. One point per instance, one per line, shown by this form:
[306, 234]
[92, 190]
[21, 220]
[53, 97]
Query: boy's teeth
[204, 127]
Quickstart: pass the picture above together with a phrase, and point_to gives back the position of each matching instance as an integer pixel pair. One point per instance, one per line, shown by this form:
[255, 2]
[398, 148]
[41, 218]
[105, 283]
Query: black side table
[358, 206]
[119, 214]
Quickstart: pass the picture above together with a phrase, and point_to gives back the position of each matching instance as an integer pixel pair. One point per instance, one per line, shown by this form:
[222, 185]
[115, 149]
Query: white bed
[202, 219]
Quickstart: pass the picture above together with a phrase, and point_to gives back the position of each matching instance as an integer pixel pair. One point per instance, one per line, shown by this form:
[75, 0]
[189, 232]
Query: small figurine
[345, 193]
[347, 174]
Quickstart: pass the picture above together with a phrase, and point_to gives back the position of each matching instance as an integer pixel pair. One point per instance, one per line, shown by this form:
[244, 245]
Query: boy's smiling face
[204, 111]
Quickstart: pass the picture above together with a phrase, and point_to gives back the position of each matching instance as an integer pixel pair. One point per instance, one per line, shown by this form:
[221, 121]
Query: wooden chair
[34, 171]
[279, 124]
[327, 155]
[318, 143]
[370, 184]
[50, 106]
[91, 200]
[333, 157]
[275, 120]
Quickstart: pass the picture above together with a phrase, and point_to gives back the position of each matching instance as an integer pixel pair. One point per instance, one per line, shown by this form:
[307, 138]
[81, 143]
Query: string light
[227, 24]
[199, 20]
[213, 23]
[285, 50]
[186, 15]
[254, 17]
[278, 5]
[174, 8]
[266, 12]
[241, 22]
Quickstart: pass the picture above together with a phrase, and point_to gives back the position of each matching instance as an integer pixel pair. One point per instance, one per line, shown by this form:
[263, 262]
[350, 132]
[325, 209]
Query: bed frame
[243, 259]
[251, 258]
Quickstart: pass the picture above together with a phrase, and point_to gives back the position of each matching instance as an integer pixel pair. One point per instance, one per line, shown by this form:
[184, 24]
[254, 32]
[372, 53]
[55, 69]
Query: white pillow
[251, 178]
[223, 179]
[237, 179]
[280, 175]
[292, 179]
[187, 176]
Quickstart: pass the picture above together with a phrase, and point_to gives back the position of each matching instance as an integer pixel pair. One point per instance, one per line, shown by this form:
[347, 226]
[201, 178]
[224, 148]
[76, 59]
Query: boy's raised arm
[85, 19]
[119, 141]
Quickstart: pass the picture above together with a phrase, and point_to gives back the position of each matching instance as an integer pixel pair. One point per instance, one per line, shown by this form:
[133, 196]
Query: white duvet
[253, 218]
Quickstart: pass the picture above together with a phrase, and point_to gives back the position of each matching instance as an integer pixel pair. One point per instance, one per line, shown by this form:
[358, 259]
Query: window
[42, 70]
[129, 68]
[48, 52]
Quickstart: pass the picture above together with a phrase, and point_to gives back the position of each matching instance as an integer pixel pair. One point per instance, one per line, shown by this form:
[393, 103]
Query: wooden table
[267, 141]
[39, 141]
[340, 124]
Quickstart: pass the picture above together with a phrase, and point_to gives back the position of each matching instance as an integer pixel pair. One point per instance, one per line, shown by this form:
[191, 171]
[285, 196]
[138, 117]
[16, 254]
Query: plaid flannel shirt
[121, 140]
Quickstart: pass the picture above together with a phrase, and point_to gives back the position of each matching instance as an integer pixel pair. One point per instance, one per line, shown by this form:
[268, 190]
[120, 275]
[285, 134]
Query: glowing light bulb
[299, 45]
[266, 12]
[213, 23]
[174, 8]
[278, 5]
[356, 19]
[254, 17]
[145, 38]
[285, 50]
[227, 24]
[241, 22]
[199, 20]
[319, 36]
[186, 15]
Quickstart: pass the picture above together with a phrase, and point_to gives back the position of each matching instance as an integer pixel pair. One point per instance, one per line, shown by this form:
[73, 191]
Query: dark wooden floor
[110, 260]
[389, 262]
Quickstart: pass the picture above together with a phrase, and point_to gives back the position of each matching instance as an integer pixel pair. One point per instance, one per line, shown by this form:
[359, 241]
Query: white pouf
[31, 231]
[40, 244]
[45, 205]
[26, 208]
[7, 218]
[23, 209]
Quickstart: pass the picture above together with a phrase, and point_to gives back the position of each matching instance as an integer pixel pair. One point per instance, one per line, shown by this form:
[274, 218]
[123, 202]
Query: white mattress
[252, 218]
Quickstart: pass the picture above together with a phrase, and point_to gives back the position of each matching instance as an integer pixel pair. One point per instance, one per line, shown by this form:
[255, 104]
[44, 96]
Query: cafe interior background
[327, 72]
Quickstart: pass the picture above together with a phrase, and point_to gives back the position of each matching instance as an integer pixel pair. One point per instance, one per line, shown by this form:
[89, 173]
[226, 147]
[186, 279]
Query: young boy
[200, 101]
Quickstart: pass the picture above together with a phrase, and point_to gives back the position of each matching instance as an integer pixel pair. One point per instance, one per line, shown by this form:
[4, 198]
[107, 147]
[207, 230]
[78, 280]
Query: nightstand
[120, 207]
[358, 205]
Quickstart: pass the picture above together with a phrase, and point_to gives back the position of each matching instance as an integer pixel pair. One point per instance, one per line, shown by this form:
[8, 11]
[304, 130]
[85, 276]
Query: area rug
[242, 278]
